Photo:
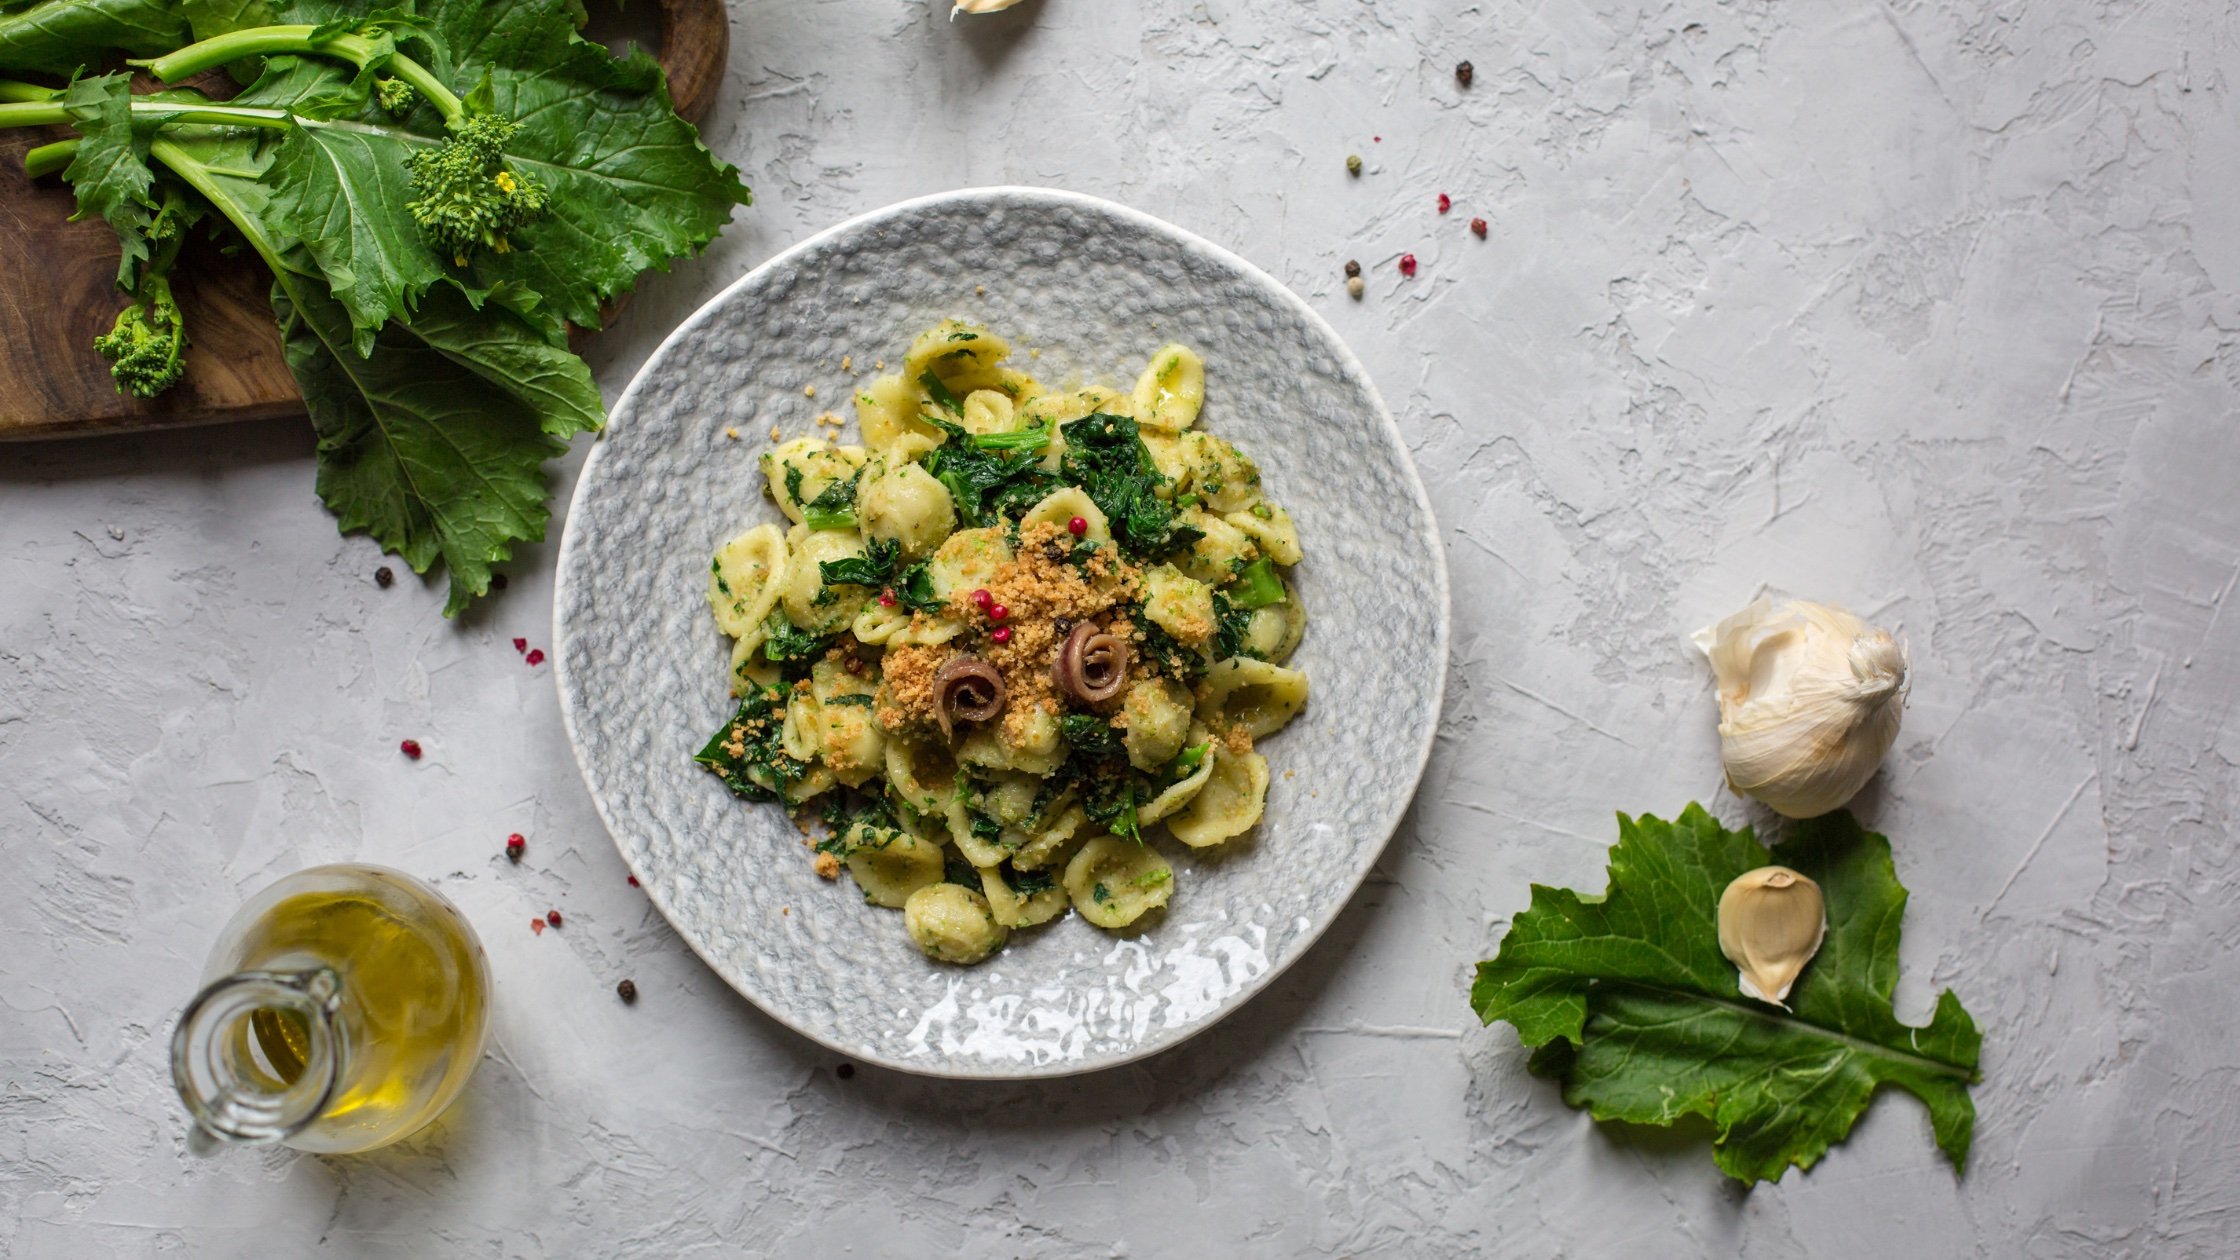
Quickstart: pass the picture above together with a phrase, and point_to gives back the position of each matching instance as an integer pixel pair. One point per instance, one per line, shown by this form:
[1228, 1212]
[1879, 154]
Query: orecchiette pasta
[1171, 389]
[1010, 640]
[1257, 695]
[1114, 882]
[952, 923]
[1228, 805]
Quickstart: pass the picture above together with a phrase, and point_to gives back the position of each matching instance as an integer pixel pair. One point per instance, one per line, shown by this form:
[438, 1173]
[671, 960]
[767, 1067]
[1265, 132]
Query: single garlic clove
[1809, 702]
[1771, 922]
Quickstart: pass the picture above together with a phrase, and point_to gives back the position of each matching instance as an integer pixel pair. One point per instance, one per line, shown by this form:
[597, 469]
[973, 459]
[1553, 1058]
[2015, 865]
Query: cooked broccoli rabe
[468, 195]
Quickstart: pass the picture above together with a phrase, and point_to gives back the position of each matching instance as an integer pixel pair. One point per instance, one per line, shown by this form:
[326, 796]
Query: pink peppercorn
[1078, 526]
[1478, 228]
[1002, 634]
[535, 656]
[537, 926]
[520, 645]
[886, 599]
[410, 748]
[515, 843]
[552, 917]
[1408, 265]
[633, 881]
[1000, 612]
[983, 599]
[1446, 203]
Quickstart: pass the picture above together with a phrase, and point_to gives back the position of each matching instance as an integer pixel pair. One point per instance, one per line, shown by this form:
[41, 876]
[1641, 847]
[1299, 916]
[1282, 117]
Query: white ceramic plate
[1095, 287]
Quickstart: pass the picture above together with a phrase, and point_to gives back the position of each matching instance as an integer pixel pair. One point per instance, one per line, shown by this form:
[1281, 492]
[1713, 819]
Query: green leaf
[1105, 456]
[1257, 586]
[63, 36]
[874, 568]
[435, 442]
[110, 173]
[1634, 1008]
[748, 751]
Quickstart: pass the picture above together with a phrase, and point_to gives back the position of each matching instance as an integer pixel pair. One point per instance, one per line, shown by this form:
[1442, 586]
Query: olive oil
[382, 994]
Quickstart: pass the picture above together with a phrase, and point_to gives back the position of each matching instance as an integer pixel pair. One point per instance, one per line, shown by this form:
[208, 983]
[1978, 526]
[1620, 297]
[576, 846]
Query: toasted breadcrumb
[827, 866]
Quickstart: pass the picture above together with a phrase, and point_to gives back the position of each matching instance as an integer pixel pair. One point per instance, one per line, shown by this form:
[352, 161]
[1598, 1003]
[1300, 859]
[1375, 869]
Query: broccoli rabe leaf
[1636, 1011]
[783, 642]
[110, 173]
[1090, 736]
[61, 36]
[988, 486]
[748, 751]
[874, 568]
[1105, 456]
[1230, 623]
[835, 505]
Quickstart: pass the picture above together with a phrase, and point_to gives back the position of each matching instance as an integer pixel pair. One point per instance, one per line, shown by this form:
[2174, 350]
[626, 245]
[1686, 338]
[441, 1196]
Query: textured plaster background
[1925, 308]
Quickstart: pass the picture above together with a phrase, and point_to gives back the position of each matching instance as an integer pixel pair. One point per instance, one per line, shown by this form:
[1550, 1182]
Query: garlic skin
[979, 6]
[1771, 923]
[1809, 701]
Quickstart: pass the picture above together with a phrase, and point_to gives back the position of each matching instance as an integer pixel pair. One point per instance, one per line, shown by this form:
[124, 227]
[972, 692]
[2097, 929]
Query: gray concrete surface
[1928, 309]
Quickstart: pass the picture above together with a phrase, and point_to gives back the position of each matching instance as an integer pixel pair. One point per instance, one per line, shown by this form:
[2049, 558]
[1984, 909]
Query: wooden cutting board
[58, 288]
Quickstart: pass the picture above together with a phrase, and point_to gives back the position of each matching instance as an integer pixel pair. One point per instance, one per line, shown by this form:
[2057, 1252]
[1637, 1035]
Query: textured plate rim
[1034, 198]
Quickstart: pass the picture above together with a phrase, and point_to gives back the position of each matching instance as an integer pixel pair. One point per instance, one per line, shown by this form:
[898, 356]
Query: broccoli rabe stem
[34, 114]
[276, 41]
[49, 159]
[10, 90]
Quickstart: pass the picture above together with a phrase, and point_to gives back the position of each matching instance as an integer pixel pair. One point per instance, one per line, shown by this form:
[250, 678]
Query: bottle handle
[234, 1095]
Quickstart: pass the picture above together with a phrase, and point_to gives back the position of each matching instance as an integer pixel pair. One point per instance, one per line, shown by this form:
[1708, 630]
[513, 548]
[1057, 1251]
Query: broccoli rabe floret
[147, 346]
[468, 196]
[397, 97]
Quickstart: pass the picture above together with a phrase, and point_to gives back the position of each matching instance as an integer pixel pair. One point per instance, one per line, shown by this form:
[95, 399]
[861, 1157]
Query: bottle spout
[255, 1056]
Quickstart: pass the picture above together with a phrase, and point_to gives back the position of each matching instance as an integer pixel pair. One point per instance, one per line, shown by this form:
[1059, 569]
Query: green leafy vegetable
[914, 588]
[1090, 736]
[748, 752]
[1257, 586]
[783, 641]
[988, 486]
[835, 505]
[437, 194]
[1230, 624]
[60, 36]
[940, 393]
[1110, 801]
[1633, 1007]
[1187, 761]
[875, 567]
[1105, 456]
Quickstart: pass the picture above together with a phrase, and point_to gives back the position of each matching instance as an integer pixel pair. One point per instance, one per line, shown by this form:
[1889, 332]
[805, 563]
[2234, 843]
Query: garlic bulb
[1771, 922]
[1809, 700]
[979, 6]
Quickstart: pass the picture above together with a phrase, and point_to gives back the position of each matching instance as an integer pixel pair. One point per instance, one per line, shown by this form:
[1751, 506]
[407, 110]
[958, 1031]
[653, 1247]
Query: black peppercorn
[1462, 73]
[627, 991]
[844, 1071]
[1353, 268]
[497, 581]
[383, 578]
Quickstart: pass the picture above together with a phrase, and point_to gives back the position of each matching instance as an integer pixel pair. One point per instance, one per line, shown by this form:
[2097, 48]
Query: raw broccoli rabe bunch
[468, 195]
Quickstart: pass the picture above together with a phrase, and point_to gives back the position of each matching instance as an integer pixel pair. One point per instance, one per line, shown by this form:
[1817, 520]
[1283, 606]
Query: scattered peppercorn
[537, 926]
[1408, 265]
[1001, 634]
[1463, 72]
[520, 645]
[983, 599]
[514, 845]
[886, 599]
[1446, 203]
[1356, 287]
[1353, 164]
[552, 917]
[384, 577]
[410, 748]
[1478, 228]
[1078, 526]
[633, 881]
[535, 656]
[845, 1071]
[999, 612]
[1353, 267]
[497, 581]
[628, 992]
